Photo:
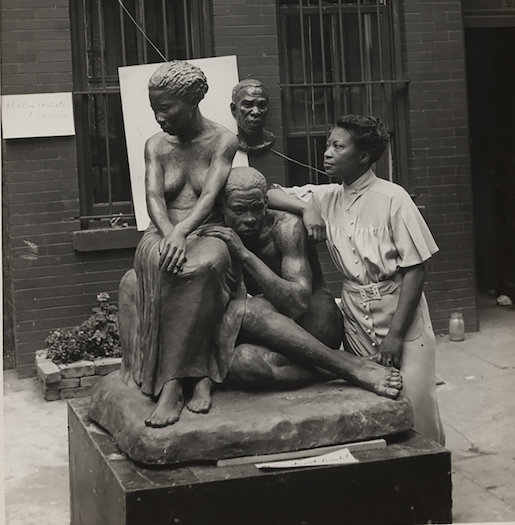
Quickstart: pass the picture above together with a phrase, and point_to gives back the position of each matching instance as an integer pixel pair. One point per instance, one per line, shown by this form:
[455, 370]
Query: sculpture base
[246, 423]
[407, 482]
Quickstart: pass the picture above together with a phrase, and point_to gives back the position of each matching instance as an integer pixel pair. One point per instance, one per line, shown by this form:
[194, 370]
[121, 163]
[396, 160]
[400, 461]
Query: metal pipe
[122, 34]
[322, 52]
[304, 76]
[144, 29]
[165, 27]
[187, 28]
[342, 55]
[353, 83]
[360, 39]
[105, 103]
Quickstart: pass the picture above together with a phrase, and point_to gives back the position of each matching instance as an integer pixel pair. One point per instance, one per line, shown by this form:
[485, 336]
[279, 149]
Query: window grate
[105, 38]
[339, 57]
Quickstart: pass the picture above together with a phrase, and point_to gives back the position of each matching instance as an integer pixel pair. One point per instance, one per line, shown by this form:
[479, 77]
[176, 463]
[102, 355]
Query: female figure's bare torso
[184, 167]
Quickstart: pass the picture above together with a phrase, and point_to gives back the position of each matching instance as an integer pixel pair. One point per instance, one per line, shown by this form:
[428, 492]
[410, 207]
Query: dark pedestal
[408, 482]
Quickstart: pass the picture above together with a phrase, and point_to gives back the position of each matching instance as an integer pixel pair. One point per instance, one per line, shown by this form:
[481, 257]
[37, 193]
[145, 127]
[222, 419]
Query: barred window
[339, 57]
[104, 38]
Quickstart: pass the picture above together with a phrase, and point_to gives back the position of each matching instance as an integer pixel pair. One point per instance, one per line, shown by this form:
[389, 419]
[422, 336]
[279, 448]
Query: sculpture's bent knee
[206, 255]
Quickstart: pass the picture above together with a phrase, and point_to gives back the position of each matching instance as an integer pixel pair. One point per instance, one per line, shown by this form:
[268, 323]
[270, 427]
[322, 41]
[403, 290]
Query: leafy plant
[95, 337]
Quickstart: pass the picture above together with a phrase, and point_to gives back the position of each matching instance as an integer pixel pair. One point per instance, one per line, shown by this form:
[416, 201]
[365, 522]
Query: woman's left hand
[391, 350]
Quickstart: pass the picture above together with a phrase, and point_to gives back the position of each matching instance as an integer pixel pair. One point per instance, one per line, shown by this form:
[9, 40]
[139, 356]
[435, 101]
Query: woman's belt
[373, 291]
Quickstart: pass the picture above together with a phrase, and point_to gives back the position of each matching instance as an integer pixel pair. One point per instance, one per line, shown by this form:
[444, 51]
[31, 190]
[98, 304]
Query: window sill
[105, 239]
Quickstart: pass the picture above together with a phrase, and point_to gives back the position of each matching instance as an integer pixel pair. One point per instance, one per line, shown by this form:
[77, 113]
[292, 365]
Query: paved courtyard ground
[477, 401]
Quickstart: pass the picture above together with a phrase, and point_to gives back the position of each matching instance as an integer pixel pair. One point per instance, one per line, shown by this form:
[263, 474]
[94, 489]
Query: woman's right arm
[313, 222]
[154, 189]
[280, 200]
[172, 248]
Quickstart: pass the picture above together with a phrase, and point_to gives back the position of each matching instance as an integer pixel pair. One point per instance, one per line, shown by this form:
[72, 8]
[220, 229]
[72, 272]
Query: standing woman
[379, 242]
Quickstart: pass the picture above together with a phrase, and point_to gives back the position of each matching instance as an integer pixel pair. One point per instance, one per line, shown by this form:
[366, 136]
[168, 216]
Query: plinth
[408, 482]
[246, 423]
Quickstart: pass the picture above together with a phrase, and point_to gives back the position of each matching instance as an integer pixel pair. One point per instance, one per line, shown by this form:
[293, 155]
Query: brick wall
[434, 59]
[52, 285]
[248, 29]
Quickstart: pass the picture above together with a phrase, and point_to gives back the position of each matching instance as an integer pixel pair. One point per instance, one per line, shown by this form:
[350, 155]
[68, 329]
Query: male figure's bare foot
[379, 379]
[200, 401]
[169, 406]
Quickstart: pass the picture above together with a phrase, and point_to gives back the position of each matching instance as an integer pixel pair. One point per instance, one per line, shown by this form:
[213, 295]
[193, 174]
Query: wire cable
[296, 161]
[140, 29]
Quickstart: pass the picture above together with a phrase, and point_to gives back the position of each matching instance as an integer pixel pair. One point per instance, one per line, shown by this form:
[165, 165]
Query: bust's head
[244, 201]
[249, 107]
[175, 90]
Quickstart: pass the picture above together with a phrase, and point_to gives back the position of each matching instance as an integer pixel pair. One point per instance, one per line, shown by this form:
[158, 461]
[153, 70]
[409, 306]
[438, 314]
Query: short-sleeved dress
[374, 230]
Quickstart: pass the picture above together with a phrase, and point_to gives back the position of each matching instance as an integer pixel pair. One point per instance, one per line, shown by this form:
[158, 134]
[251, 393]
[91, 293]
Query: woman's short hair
[368, 133]
[182, 80]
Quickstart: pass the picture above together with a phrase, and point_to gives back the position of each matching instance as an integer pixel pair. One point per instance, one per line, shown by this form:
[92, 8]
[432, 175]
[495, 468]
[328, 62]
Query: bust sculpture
[249, 107]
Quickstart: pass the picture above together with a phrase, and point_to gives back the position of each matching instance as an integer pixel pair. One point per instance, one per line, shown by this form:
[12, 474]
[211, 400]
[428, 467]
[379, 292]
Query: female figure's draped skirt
[188, 323]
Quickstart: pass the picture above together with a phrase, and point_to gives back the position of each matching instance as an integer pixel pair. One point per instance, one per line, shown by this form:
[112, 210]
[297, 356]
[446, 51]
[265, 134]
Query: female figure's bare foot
[379, 379]
[169, 406]
[200, 401]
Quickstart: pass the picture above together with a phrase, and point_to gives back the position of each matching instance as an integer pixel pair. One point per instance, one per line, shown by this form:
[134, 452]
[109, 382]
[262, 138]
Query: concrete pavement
[477, 402]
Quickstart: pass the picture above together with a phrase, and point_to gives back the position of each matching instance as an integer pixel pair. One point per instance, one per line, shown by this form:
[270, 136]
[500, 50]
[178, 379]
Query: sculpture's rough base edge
[246, 423]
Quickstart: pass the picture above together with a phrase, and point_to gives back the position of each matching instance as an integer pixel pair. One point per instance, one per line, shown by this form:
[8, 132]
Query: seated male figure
[291, 325]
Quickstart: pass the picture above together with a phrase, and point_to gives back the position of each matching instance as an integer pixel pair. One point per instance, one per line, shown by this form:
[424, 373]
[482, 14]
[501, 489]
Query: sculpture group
[225, 289]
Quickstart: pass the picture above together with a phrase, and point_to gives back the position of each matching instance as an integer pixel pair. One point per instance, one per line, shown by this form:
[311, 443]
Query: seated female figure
[187, 325]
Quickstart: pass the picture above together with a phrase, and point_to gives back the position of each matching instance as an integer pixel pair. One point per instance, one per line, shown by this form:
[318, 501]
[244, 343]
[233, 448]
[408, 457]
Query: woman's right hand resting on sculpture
[172, 251]
[314, 224]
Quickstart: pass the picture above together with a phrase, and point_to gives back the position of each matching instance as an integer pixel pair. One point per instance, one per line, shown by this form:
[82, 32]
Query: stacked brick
[74, 379]
[434, 56]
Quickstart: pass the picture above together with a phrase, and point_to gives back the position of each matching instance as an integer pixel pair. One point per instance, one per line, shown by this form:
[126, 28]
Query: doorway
[490, 81]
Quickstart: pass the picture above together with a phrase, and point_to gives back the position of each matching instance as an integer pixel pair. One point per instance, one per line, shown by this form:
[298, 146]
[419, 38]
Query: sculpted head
[249, 107]
[244, 201]
[175, 90]
[180, 79]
